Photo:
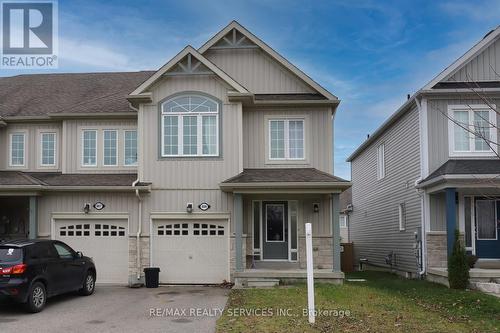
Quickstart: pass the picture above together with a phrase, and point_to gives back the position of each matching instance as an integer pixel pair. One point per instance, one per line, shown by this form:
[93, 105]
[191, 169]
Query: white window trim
[381, 161]
[199, 130]
[125, 149]
[25, 136]
[43, 165]
[451, 132]
[286, 139]
[103, 149]
[402, 217]
[83, 165]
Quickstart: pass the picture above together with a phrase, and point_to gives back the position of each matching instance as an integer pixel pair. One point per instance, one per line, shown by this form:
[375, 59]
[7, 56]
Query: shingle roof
[465, 167]
[59, 179]
[295, 175]
[41, 94]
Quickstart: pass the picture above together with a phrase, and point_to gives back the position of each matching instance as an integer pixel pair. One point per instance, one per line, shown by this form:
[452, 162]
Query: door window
[486, 219]
[275, 222]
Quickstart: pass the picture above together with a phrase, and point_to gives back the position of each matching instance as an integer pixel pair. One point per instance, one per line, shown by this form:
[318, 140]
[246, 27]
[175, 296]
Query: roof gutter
[248, 99]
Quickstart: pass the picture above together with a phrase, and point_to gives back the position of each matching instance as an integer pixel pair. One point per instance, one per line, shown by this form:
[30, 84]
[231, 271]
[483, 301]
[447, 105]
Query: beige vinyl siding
[484, 67]
[72, 145]
[73, 202]
[318, 137]
[32, 145]
[438, 126]
[186, 172]
[257, 72]
[374, 223]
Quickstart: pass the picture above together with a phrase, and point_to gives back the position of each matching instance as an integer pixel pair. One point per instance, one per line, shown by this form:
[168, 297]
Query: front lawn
[384, 303]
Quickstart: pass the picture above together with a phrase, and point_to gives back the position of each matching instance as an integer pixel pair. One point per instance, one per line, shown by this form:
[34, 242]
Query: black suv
[33, 270]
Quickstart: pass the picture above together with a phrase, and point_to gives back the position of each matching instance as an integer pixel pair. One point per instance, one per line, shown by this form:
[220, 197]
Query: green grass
[384, 303]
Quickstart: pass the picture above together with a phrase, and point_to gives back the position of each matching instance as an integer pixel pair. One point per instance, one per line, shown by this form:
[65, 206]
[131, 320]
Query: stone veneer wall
[437, 252]
[322, 252]
[232, 255]
[132, 258]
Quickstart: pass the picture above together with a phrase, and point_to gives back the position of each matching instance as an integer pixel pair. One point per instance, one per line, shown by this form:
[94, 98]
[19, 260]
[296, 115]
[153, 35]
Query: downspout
[421, 193]
[139, 230]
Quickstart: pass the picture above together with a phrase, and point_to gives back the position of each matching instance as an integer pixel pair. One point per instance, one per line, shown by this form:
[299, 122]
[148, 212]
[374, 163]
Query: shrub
[471, 259]
[458, 265]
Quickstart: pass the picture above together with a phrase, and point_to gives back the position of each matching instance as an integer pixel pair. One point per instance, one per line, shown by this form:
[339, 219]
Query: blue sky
[368, 53]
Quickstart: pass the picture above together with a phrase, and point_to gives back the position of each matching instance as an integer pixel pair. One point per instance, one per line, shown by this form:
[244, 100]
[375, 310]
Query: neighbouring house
[432, 168]
[207, 168]
[345, 210]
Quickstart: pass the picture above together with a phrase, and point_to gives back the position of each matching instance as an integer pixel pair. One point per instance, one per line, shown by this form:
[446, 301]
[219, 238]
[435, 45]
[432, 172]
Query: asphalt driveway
[121, 309]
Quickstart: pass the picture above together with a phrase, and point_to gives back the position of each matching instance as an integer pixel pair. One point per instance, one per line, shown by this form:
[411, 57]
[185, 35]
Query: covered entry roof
[17, 180]
[302, 179]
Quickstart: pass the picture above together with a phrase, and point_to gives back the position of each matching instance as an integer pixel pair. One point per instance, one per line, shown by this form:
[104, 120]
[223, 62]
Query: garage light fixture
[86, 208]
[189, 207]
[316, 207]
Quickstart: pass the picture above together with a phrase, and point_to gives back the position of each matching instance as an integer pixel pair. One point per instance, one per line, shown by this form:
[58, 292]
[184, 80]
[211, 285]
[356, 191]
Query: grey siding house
[431, 168]
[208, 167]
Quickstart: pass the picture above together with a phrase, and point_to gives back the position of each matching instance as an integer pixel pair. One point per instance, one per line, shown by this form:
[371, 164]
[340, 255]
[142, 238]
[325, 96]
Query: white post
[310, 277]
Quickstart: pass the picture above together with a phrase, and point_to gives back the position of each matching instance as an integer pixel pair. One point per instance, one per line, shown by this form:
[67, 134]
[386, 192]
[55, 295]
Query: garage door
[105, 241]
[191, 252]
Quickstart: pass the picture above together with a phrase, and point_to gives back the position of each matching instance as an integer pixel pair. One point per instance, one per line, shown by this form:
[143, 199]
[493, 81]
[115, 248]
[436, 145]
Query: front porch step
[488, 264]
[262, 283]
[487, 287]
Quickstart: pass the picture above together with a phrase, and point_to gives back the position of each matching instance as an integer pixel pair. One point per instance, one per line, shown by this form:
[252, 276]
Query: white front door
[105, 241]
[194, 251]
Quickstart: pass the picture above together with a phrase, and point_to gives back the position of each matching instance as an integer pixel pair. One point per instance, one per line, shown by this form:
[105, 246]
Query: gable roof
[275, 55]
[464, 59]
[179, 57]
[77, 93]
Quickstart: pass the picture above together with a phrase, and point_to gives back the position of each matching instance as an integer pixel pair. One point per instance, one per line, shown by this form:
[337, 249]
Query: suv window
[43, 250]
[10, 255]
[63, 251]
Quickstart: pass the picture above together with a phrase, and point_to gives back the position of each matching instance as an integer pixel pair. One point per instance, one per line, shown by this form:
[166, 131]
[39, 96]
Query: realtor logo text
[29, 34]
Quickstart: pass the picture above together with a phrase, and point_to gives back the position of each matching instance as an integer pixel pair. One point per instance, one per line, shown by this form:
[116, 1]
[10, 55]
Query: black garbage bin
[152, 276]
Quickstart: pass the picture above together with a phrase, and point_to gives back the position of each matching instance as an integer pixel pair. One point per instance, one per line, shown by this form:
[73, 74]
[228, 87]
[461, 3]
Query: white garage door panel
[191, 252]
[105, 241]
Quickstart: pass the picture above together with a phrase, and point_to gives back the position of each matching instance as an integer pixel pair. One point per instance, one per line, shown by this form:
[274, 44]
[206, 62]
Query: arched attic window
[190, 126]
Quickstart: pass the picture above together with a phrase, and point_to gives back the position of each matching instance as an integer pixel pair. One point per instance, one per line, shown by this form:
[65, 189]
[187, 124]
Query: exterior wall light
[189, 207]
[316, 207]
[86, 208]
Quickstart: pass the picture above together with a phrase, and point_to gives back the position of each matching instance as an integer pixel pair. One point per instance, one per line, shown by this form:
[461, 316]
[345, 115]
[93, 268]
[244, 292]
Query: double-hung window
[48, 149]
[110, 148]
[286, 139]
[130, 148]
[190, 126]
[89, 151]
[472, 130]
[17, 149]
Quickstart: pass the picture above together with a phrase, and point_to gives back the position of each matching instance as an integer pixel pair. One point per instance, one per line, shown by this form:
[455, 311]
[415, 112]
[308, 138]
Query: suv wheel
[88, 284]
[36, 298]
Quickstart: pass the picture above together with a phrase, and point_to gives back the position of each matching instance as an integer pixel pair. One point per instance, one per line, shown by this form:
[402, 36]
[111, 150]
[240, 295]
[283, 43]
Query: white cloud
[93, 54]
[476, 10]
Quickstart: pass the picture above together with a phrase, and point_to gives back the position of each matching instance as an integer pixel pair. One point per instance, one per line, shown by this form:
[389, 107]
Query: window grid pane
[130, 147]
[170, 135]
[17, 149]
[296, 138]
[461, 136]
[277, 138]
[48, 148]
[110, 148]
[190, 135]
[481, 127]
[209, 136]
[89, 147]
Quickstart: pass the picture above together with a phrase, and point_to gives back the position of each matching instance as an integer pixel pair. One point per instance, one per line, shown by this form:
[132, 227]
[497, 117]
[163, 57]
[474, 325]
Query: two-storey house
[207, 168]
[431, 168]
